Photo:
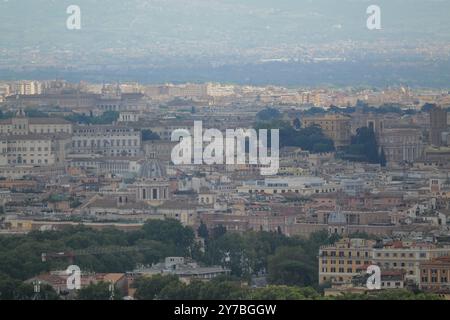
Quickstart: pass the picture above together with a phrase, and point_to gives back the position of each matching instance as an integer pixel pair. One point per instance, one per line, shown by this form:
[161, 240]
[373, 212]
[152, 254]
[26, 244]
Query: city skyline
[224, 155]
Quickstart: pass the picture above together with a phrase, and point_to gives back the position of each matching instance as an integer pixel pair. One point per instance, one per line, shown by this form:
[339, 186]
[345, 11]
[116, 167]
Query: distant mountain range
[300, 41]
[215, 25]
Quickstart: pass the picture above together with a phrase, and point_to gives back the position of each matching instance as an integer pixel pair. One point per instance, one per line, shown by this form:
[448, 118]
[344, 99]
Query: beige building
[336, 127]
[28, 87]
[33, 142]
[159, 149]
[40, 150]
[301, 185]
[107, 140]
[401, 144]
[340, 262]
[21, 125]
[219, 90]
[435, 275]
[407, 257]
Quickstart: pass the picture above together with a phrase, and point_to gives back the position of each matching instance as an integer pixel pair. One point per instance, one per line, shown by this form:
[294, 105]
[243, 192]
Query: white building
[301, 185]
[107, 140]
[21, 125]
[35, 150]
[128, 116]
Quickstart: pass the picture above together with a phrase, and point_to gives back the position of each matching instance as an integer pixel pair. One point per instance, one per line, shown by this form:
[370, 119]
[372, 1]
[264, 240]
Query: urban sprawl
[87, 179]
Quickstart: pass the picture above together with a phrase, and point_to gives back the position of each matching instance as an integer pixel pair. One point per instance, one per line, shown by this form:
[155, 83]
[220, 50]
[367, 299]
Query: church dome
[152, 169]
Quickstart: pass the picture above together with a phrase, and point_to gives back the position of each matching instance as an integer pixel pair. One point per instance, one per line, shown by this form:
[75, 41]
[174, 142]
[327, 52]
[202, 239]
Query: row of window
[104, 131]
[398, 264]
[403, 254]
[341, 270]
[24, 161]
[435, 271]
[342, 254]
[357, 262]
[434, 279]
[292, 191]
[25, 149]
[106, 143]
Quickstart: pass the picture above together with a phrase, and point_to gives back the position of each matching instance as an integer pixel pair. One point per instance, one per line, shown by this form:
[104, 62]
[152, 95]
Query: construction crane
[70, 255]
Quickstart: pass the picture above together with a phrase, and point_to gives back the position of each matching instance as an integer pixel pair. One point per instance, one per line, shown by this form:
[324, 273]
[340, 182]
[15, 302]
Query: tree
[97, 291]
[169, 231]
[202, 231]
[8, 287]
[268, 114]
[297, 124]
[364, 147]
[221, 289]
[310, 138]
[33, 113]
[218, 231]
[12, 289]
[291, 266]
[149, 288]
[20, 256]
[6, 115]
[108, 117]
[283, 293]
[427, 107]
[149, 135]
[392, 294]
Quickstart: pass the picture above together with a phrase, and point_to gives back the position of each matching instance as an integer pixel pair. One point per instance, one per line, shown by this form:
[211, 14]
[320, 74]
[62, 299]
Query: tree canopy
[364, 148]
[310, 138]
[268, 114]
[149, 135]
[108, 117]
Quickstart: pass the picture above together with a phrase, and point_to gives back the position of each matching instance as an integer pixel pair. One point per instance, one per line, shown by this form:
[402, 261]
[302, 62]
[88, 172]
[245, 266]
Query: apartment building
[300, 185]
[21, 125]
[402, 144]
[347, 258]
[357, 217]
[28, 87]
[336, 127]
[435, 275]
[35, 150]
[107, 140]
[159, 149]
[408, 257]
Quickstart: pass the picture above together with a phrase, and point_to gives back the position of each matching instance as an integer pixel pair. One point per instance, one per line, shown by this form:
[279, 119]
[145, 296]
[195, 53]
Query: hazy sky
[220, 24]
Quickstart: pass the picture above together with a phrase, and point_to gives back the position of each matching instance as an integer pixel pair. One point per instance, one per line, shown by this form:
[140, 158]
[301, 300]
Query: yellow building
[336, 127]
[340, 262]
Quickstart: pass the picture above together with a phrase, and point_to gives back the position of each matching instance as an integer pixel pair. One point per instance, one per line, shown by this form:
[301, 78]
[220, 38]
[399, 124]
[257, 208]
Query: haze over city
[223, 155]
[287, 42]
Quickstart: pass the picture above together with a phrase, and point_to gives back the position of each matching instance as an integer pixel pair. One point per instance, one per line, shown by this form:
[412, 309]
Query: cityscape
[305, 167]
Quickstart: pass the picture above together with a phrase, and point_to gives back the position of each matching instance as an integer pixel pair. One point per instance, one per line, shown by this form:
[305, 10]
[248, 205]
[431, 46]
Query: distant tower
[438, 123]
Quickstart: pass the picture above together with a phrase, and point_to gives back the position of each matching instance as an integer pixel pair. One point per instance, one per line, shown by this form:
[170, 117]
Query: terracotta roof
[114, 277]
